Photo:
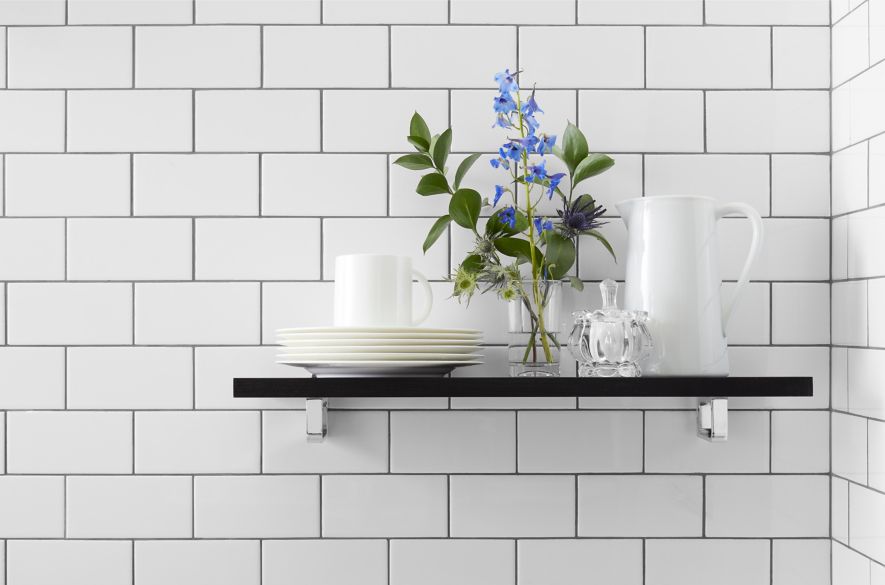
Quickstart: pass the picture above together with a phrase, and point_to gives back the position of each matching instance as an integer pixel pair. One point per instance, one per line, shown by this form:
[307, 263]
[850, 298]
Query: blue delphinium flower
[506, 81]
[543, 225]
[499, 192]
[546, 144]
[531, 123]
[508, 216]
[537, 172]
[531, 106]
[504, 103]
[529, 143]
[503, 121]
[500, 162]
[555, 179]
[511, 150]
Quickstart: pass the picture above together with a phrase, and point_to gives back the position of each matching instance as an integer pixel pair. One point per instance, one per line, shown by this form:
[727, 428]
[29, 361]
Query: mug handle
[428, 298]
[755, 247]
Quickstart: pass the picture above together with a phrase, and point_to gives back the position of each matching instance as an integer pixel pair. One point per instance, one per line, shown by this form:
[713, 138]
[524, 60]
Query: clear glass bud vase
[534, 327]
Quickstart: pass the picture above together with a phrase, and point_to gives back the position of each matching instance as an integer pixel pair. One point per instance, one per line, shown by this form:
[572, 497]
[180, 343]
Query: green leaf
[472, 263]
[464, 167]
[495, 226]
[441, 149]
[574, 147]
[432, 184]
[418, 128]
[436, 230]
[464, 208]
[602, 240]
[560, 255]
[583, 201]
[591, 166]
[419, 143]
[516, 248]
[576, 283]
[415, 162]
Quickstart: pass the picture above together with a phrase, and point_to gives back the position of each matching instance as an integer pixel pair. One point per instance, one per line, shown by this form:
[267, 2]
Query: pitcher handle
[755, 247]
[428, 298]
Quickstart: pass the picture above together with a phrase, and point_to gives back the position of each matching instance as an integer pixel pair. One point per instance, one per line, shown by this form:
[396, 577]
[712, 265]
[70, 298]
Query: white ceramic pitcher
[673, 273]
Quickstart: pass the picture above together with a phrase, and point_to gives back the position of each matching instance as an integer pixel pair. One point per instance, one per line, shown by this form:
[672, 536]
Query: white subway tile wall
[178, 176]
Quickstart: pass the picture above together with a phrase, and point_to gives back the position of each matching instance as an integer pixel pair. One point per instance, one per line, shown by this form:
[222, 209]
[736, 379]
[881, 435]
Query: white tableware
[374, 357]
[376, 290]
[382, 336]
[673, 274]
[384, 370]
[387, 342]
[433, 349]
[410, 330]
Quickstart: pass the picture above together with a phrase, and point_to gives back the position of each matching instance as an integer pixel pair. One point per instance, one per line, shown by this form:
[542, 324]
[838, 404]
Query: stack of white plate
[379, 351]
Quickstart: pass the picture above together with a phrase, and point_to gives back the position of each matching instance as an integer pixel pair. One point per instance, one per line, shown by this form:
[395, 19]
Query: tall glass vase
[534, 328]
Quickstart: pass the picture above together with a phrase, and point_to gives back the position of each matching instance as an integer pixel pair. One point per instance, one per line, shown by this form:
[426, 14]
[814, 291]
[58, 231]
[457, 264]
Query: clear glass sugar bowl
[610, 342]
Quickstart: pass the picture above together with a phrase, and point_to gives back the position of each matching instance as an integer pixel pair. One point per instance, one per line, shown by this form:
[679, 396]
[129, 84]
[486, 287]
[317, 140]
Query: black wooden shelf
[731, 387]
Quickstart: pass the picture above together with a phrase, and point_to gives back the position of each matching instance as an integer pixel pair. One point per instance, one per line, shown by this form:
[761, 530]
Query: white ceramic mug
[375, 290]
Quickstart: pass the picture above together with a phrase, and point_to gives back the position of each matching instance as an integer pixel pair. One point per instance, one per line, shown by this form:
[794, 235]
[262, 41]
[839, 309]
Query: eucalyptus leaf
[432, 184]
[516, 248]
[591, 166]
[415, 162]
[560, 255]
[465, 207]
[574, 147]
[472, 263]
[441, 148]
[419, 143]
[418, 127]
[436, 230]
[576, 283]
[464, 167]
[602, 240]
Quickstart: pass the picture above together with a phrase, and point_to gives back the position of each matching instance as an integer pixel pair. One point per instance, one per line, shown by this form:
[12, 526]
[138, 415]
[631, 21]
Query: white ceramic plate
[297, 330]
[394, 341]
[323, 348]
[378, 363]
[387, 357]
[381, 371]
[340, 335]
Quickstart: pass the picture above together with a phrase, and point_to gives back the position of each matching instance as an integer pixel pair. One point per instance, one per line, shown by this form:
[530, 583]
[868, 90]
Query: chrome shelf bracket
[316, 416]
[713, 419]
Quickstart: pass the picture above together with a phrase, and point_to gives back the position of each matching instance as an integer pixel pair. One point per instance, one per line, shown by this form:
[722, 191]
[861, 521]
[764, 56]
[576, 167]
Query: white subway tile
[485, 312]
[470, 58]
[800, 441]
[69, 313]
[2, 450]
[850, 312]
[877, 574]
[31, 12]
[216, 367]
[67, 184]
[452, 442]
[839, 378]
[297, 184]
[802, 12]
[294, 304]
[725, 177]
[472, 129]
[385, 506]
[198, 562]
[39, 246]
[129, 249]
[640, 505]
[556, 442]
[839, 252]
[867, 118]
[383, 236]
[768, 121]
[595, 262]
[512, 506]
[286, 46]
[840, 116]
[849, 445]
[811, 362]
[513, 12]
[32, 507]
[767, 505]
[876, 449]
[257, 11]
[838, 9]
[848, 566]
[801, 313]
[877, 47]
[692, 561]
[134, 120]
[32, 377]
[750, 319]
[195, 56]
[700, 57]
[542, 62]
[839, 508]
[66, 57]
[391, 110]
[197, 313]
[850, 179]
[257, 249]
[800, 184]
[443, 562]
[130, 12]
[877, 170]
[358, 443]
[101, 377]
[256, 506]
[851, 45]
[643, 121]
[548, 561]
[319, 561]
[195, 184]
[69, 442]
[76, 562]
[640, 11]
[866, 519]
[32, 121]
[801, 57]
[257, 120]
[197, 442]
[128, 507]
[671, 444]
[792, 249]
[865, 239]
